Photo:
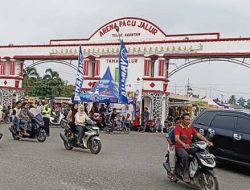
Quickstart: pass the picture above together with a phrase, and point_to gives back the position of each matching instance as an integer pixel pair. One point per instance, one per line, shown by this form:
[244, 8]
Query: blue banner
[79, 78]
[123, 73]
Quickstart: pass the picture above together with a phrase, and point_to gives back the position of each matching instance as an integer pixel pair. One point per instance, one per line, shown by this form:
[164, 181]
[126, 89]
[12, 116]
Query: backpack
[171, 135]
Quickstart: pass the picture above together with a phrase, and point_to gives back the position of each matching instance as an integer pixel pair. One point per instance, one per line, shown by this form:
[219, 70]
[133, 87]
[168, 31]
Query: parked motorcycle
[150, 127]
[201, 165]
[56, 120]
[90, 139]
[35, 129]
[116, 127]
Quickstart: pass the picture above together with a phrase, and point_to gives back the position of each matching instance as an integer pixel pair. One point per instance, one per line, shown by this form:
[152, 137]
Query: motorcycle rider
[57, 112]
[171, 146]
[16, 113]
[25, 118]
[80, 119]
[71, 117]
[183, 137]
[102, 109]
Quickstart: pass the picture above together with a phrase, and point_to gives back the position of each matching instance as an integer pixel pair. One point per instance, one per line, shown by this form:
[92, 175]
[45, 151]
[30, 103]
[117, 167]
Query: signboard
[130, 29]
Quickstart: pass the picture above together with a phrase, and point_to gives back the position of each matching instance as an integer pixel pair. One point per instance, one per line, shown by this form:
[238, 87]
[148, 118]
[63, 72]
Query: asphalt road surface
[131, 161]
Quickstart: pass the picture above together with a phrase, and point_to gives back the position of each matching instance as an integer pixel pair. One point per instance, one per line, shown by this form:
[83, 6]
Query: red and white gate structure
[150, 54]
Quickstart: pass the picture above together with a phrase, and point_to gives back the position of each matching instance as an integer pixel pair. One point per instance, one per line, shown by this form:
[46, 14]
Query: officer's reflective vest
[46, 113]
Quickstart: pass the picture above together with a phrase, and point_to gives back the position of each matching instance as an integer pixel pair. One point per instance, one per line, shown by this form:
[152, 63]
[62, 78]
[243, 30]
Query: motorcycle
[201, 165]
[35, 129]
[116, 127]
[1, 135]
[54, 120]
[150, 127]
[90, 139]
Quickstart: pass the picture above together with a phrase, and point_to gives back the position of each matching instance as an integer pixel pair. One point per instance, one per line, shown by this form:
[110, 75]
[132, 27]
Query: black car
[231, 134]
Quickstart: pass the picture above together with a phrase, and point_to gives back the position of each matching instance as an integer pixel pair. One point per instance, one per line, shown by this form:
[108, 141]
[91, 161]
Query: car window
[243, 125]
[224, 122]
[205, 118]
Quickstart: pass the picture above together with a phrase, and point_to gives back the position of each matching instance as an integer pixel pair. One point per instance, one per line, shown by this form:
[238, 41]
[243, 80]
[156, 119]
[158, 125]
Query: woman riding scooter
[80, 119]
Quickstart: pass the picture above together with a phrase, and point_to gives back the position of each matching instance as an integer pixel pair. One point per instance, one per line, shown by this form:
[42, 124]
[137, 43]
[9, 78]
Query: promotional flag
[123, 73]
[79, 77]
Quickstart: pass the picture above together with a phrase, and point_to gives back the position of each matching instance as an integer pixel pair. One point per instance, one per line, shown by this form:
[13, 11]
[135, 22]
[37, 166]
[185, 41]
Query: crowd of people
[179, 136]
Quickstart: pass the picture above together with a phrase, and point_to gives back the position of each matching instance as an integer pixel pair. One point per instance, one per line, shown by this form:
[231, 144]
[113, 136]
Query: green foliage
[232, 100]
[50, 85]
[241, 102]
[247, 106]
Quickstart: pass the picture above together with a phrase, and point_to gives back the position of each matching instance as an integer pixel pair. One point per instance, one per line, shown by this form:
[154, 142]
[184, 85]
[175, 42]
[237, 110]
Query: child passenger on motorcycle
[171, 146]
[80, 119]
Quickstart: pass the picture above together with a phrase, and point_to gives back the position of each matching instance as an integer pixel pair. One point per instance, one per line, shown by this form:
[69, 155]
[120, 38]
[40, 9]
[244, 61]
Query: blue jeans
[79, 132]
[159, 126]
[128, 124]
[25, 124]
[17, 123]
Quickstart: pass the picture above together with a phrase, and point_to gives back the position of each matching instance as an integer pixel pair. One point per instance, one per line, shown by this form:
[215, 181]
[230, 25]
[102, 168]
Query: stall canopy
[212, 104]
[104, 91]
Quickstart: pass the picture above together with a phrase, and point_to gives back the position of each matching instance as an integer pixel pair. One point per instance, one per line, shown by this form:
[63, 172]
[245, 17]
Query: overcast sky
[38, 21]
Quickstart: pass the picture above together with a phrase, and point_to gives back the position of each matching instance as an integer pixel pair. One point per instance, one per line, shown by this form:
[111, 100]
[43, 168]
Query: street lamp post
[117, 30]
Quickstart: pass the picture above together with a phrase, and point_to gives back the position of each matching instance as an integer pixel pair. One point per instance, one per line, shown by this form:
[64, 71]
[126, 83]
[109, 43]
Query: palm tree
[53, 81]
[51, 75]
[29, 74]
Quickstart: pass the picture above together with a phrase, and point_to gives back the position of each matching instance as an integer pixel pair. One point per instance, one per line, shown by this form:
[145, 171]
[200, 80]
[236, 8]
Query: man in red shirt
[183, 138]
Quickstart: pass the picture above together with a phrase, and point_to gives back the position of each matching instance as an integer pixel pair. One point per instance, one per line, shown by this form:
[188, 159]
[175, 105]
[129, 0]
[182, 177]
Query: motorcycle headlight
[208, 162]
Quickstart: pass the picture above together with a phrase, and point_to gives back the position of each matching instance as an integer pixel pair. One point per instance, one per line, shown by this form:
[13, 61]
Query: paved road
[131, 161]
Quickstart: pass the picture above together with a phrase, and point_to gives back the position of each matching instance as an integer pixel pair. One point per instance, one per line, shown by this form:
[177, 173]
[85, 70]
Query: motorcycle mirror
[211, 132]
[201, 131]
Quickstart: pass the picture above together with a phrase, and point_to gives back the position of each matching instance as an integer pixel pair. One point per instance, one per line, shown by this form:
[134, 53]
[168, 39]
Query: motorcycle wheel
[107, 130]
[68, 146]
[41, 137]
[63, 124]
[15, 137]
[126, 130]
[152, 129]
[95, 146]
[212, 182]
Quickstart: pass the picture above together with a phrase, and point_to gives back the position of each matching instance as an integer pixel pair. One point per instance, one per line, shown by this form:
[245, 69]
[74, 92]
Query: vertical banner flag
[123, 73]
[79, 78]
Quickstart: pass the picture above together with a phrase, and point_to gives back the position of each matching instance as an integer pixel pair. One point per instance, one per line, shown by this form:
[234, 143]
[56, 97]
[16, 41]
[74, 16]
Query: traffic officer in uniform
[46, 117]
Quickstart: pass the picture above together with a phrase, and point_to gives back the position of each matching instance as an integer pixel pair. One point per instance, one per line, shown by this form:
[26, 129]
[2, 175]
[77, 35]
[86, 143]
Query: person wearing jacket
[46, 117]
[25, 118]
[171, 147]
[71, 117]
[80, 119]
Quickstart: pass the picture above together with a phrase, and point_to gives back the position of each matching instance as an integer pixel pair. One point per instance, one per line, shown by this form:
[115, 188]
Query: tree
[54, 84]
[30, 75]
[50, 85]
[242, 102]
[51, 75]
[232, 100]
[247, 104]
[30, 72]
